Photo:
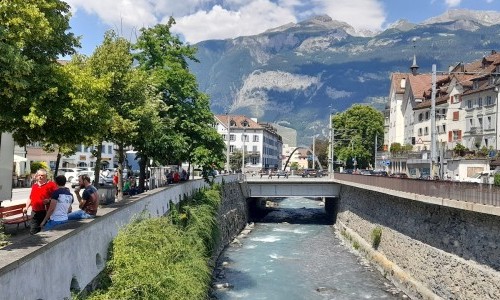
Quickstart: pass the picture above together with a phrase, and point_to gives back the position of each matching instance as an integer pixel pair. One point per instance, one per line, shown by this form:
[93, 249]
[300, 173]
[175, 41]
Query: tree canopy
[33, 34]
[355, 130]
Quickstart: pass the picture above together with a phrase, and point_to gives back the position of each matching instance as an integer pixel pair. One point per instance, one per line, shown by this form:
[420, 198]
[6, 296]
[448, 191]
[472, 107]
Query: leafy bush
[496, 179]
[36, 165]
[166, 257]
[376, 236]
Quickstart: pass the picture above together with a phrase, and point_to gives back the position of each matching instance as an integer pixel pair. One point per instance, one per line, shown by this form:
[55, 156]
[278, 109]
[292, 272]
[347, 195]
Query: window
[254, 148]
[255, 138]
[103, 149]
[232, 137]
[454, 135]
[427, 115]
[489, 100]
[232, 123]
[255, 160]
[480, 102]
[244, 138]
[444, 128]
[224, 137]
[488, 123]
[469, 103]
[426, 131]
[480, 122]
[231, 148]
[486, 142]
[110, 149]
[420, 117]
[456, 115]
[420, 131]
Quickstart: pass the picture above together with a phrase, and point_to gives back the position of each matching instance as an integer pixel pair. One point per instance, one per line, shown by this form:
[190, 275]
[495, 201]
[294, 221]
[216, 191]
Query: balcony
[253, 153]
[476, 130]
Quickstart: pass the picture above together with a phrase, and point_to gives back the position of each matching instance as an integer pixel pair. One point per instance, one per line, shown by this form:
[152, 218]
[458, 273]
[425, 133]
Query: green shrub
[36, 165]
[496, 179]
[376, 236]
[166, 257]
[355, 245]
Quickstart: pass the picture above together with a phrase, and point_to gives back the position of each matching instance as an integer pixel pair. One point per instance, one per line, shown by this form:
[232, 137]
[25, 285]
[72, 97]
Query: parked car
[399, 175]
[366, 172]
[74, 180]
[312, 173]
[380, 173]
[69, 173]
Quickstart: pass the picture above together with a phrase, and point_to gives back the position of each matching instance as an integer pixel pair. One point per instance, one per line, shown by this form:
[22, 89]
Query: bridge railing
[486, 194]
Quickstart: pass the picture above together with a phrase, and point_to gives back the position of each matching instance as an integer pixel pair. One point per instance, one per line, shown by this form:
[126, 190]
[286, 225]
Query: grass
[166, 257]
[376, 236]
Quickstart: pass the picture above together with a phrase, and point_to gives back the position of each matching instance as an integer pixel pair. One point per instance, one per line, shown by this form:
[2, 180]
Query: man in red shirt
[40, 195]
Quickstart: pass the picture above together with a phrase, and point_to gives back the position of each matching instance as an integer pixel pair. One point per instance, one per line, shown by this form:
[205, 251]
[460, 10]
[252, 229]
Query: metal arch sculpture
[309, 151]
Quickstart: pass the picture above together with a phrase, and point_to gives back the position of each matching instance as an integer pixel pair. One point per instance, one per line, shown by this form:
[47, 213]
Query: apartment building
[260, 141]
[466, 107]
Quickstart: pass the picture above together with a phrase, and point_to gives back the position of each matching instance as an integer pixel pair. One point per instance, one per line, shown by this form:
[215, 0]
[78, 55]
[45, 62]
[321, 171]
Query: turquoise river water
[293, 253]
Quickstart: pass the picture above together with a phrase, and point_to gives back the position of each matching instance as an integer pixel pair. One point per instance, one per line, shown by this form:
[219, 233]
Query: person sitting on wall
[59, 206]
[88, 201]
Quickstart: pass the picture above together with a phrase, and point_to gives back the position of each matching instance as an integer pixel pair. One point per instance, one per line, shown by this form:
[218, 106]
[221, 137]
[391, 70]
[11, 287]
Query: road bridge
[291, 187]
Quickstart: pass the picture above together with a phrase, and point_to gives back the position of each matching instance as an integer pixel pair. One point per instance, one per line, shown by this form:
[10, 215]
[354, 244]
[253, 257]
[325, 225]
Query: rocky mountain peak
[485, 18]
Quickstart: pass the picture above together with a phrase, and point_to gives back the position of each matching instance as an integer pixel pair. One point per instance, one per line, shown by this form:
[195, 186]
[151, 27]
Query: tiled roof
[396, 81]
[239, 120]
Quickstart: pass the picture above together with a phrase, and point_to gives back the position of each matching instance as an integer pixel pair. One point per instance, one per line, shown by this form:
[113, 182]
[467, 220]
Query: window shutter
[460, 135]
[455, 115]
[450, 136]
[452, 99]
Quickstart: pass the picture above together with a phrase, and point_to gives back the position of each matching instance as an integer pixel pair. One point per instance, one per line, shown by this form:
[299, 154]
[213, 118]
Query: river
[293, 253]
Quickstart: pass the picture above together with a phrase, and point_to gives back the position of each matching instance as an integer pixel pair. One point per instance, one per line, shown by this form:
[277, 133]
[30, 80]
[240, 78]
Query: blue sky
[199, 20]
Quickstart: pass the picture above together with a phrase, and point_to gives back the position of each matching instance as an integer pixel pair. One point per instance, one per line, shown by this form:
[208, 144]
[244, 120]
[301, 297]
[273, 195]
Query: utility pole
[330, 150]
[314, 146]
[243, 154]
[228, 142]
[375, 159]
[433, 122]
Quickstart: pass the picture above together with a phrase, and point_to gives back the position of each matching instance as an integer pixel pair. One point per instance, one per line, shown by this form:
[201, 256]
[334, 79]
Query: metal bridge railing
[486, 194]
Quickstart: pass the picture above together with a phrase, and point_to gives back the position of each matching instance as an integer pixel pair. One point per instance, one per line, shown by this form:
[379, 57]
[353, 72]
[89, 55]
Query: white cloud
[452, 3]
[199, 20]
[220, 23]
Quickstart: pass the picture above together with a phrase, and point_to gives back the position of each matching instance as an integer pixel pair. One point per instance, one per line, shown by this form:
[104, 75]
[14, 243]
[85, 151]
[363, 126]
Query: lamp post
[330, 150]
[228, 142]
[243, 155]
[433, 122]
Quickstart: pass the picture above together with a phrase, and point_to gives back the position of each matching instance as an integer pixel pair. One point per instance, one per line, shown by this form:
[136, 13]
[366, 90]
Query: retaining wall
[48, 265]
[430, 251]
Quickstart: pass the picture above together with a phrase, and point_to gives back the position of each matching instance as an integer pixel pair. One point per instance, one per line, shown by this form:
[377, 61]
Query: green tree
[33, 34]
[188, 121]
[355, 131]
[124, 98]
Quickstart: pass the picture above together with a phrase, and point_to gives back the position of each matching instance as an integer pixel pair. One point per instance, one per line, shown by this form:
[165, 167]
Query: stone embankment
[429, 251]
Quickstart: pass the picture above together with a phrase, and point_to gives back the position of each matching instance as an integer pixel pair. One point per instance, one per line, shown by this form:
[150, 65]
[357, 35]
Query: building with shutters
[466, 111]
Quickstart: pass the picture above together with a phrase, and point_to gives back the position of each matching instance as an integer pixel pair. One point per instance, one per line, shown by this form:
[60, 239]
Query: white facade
[262, 145]
[396, 118]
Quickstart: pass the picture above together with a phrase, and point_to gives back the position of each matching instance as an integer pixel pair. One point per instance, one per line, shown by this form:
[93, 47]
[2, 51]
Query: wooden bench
[14, 215]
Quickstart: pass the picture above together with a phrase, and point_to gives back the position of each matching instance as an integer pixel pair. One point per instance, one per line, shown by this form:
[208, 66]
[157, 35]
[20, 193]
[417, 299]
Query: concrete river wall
[430, 251]
[51, 264]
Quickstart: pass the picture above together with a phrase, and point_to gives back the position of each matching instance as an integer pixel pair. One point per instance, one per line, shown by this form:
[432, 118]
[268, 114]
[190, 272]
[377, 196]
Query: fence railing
[481, 193]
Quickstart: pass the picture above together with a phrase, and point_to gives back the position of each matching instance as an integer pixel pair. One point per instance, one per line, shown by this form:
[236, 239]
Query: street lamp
[228, 142]
[330, 150]
[243, 155]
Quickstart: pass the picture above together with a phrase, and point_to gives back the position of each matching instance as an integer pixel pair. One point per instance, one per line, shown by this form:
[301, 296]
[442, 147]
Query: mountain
[296, 74]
